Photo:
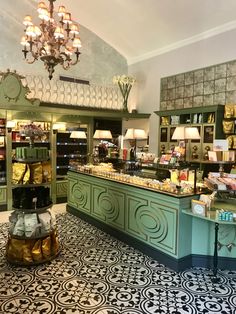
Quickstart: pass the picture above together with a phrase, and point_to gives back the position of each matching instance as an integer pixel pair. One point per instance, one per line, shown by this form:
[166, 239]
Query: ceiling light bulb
[44, 15]
[37, 31]
[27, 20]
[67, 18]
[30, 31]
[77, 43]
[69, 50]
[41, 6]
[59, 33]
[61, 11]
[74, 29]
[24, 41]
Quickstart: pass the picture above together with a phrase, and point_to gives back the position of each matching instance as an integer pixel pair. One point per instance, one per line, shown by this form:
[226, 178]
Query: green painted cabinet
[3, 195]
[151, 217]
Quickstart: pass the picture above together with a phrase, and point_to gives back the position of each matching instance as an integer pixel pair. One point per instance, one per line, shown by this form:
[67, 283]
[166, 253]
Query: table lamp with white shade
[77, 135]
[134, 135]
[101, 150]
[102, 135]
[183, 133]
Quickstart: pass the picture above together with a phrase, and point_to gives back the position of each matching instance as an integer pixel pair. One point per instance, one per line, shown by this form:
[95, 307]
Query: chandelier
[53, 42]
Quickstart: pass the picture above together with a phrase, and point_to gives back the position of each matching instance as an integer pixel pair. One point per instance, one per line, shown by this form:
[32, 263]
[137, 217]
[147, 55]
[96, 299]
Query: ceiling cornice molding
[179, 44]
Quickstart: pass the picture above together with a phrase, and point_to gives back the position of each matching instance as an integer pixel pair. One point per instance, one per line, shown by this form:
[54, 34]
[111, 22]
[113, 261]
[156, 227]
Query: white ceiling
[140, 29]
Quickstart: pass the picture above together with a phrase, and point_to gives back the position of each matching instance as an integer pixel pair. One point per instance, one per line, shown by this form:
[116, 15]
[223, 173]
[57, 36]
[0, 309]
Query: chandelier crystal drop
[53, 42]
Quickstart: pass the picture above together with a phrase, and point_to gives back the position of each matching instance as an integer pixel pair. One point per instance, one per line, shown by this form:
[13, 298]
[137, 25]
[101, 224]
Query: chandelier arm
[52, 41]
[51, 8]
[77, 53]
[31, 61]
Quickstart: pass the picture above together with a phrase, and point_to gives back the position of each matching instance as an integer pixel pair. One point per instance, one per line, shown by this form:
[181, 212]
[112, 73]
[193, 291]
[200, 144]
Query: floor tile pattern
[97, 274]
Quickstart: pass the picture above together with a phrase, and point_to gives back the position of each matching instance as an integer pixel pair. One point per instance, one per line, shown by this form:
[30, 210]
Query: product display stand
[33, 237]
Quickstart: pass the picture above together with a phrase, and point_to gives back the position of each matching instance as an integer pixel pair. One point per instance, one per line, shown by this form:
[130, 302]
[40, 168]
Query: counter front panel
[153, 218]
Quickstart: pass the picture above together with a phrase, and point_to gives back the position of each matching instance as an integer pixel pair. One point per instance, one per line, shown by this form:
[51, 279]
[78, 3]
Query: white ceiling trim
[191, 40]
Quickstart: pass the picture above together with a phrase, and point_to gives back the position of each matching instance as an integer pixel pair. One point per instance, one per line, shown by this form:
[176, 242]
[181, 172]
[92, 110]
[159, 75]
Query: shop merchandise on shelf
[33, 236]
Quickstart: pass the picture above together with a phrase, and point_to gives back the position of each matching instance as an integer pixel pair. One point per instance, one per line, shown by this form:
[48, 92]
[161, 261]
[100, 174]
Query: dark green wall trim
[175, 264]
[206, 261]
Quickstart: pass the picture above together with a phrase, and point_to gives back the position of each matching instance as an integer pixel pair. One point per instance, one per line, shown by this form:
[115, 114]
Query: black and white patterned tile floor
[97, 274]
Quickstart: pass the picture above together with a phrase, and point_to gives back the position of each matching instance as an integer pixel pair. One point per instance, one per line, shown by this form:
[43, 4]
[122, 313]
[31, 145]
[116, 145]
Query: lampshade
[102, 134]
[132, 134]
[11, 124]
[59, 126]
[185, 133]
[191, 133]
[179, 133]
[78, 134]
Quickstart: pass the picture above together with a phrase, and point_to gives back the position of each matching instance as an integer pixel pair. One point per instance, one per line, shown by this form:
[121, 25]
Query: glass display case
[71, 148]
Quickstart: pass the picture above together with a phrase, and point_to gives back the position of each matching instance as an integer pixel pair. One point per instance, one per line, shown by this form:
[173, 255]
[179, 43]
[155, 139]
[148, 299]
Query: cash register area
[97, 274]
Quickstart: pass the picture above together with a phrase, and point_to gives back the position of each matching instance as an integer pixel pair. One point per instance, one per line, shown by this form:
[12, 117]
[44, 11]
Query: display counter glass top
[144, 183]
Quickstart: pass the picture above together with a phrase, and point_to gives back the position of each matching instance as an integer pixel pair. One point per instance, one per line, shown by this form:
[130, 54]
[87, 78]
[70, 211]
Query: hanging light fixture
[52, 42]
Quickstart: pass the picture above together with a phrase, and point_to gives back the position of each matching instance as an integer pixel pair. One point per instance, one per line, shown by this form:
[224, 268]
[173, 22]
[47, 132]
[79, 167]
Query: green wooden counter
[149, 220]
[157, 223]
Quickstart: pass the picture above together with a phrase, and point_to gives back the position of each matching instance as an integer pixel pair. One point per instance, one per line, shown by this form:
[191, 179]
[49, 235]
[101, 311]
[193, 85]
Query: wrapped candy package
[37, 251]
[36, 173]
[19, 228]
[31, 224]
[47, 171]
[26, 178]
[46, 247]
[45, 221]
[18, 171]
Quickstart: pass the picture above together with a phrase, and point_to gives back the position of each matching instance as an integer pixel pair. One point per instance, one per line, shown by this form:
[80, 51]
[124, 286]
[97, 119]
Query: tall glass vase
[125, 104]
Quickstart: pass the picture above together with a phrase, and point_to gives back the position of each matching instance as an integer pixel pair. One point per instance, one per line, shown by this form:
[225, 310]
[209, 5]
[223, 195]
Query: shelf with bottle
[71, 144]
[71, 148]
[72, 156]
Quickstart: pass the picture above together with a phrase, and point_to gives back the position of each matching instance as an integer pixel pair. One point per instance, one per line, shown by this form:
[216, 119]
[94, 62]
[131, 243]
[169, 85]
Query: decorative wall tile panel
[214, 85]
[219, 99]
[231, 97]
[198, 89]
[188, 102]
[188, 77]
[179, 92]
[220, 85]
[163, 105]
[208, 87]
[209, 74]
[188, 91]
[231, 68]
[231, 83]
[198, 76]
[171, 82]
[220, 71]
[198, 101]
[94, 96]
[208, 100]
[179, 80]
[179, 103]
